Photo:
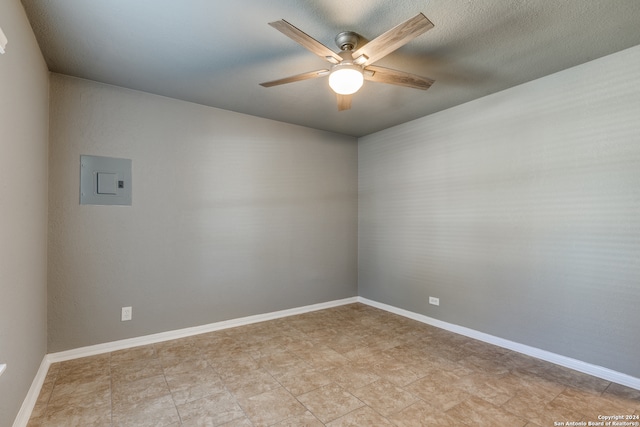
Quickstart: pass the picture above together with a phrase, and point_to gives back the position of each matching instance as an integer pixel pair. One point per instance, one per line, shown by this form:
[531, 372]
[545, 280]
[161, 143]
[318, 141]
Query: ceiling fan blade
[306, 41]
[387, 75]
[391, 40]
[344, 102]
[296, 78]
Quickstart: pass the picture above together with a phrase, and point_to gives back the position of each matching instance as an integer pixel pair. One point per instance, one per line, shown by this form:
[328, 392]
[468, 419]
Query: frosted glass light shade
[346, 80]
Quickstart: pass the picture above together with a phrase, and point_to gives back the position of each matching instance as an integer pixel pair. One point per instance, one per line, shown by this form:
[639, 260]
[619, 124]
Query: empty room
[319, 213]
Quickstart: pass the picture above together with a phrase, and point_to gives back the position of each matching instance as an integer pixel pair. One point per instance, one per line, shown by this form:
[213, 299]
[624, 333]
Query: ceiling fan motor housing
[347, 40]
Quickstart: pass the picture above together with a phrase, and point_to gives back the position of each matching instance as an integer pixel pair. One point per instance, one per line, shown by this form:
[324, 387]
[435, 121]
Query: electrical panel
[105, 181]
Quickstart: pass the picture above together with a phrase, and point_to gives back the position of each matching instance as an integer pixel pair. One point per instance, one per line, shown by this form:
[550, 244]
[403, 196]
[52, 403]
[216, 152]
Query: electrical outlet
[127, 314]
[434, 301]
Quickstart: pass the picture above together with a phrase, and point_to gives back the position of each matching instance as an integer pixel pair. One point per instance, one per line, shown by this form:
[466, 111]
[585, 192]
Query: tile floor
[352, 365]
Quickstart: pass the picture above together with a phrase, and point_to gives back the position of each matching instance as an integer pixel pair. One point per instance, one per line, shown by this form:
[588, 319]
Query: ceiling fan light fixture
[353, 63]
[346, 79]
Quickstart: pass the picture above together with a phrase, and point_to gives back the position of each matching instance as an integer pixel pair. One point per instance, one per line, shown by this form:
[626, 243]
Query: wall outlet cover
[127, 314]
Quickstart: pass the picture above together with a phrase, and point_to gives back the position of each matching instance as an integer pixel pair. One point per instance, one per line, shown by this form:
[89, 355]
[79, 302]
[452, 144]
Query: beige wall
[232, 216]
[23, 209]
[520, 211]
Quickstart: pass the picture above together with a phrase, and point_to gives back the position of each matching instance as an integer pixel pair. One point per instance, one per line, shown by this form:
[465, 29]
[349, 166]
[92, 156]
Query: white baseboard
[32, 396]
[34, 391]
[22, 419]
[567, 362]
[187, 332]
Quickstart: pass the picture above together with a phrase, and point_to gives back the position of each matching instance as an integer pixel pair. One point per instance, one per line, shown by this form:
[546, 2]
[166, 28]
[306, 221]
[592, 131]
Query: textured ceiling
[216, 53]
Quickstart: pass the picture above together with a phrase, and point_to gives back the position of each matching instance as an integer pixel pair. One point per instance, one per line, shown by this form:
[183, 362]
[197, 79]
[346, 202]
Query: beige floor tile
[364, 416]
[480, 413]
[85, 375]
[79, 410]
[382, 342]
[555, 374]
[352, 376]
[168, 353]
[172, 345]
[134, 370]
[251, 383]
[159, 411]
[540, 412]
[532, 387]
[445, 349]
[590, 405]
[347, 342]
[233, 365]
[303, 382]
[97, 397]
[135, 355]
[177, 365]
[322, 357]
[64, 393]
[485, 350]
[349, 365]
[626, 396]
[282, 363]
[47, 387]
[486, 366]
[438, 389]
[267, 347]
[330, 402]
[125, 395]
[188, 386]
[488, 387]
[305, 420]
[85, 364]
[220, 344]
[38, 412]
[213, 410]
[36, 421]
[576, 379]
[410, 356]
[72, 417]
[40, 407]
[513, 360]
[362, 353]
[240, 422]
[271, 407]
[394, 371]
[422, 414]
[385, 397]
[324, 334]
[436, 364]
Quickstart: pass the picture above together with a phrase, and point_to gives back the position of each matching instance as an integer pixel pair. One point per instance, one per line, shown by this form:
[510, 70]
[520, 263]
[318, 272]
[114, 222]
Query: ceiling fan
[353, 64]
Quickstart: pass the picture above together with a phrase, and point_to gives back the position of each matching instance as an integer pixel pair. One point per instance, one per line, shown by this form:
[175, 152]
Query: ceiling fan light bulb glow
[346, 80]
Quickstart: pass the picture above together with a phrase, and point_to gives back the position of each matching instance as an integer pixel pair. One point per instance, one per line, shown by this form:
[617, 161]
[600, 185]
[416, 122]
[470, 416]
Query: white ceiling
[216, 53]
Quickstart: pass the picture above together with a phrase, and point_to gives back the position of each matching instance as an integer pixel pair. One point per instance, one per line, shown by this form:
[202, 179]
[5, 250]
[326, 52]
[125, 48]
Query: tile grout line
[111, 388]
[164, 376]
[235, 398]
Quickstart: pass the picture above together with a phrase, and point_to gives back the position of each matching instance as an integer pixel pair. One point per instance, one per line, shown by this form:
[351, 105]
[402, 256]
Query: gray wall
[24, 119]
[520, 211]
[232, 216]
